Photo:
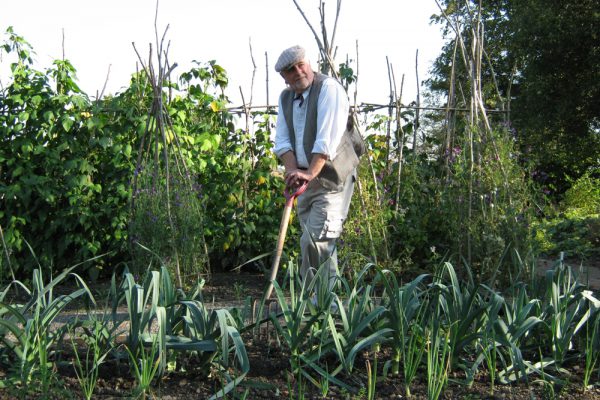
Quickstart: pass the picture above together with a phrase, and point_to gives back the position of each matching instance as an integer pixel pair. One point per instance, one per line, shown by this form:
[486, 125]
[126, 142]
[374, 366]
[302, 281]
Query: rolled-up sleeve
[332, 116]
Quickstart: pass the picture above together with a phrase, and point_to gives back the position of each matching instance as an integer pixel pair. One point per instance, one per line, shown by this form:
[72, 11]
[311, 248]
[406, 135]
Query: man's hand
[295, 177]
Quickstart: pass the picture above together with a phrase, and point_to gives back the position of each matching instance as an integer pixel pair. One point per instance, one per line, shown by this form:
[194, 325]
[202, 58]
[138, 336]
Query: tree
[541, 64]
[557, 103]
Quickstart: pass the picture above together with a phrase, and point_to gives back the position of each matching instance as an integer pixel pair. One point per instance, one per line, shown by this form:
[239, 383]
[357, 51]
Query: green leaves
[58, 174]
[31, 325]
[182, 324]
[66, 123]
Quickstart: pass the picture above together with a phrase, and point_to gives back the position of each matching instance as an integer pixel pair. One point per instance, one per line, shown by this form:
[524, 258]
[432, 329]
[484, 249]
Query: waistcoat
[334, 172]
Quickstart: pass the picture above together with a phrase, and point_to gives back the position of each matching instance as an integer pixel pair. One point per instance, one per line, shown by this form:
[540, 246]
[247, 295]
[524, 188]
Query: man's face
[299, 76]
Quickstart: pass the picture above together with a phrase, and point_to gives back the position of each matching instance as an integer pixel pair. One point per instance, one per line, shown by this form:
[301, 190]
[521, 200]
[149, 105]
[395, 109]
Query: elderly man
[313, 143]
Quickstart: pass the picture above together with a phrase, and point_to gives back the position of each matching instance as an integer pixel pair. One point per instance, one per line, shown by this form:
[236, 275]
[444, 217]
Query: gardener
[314, 146]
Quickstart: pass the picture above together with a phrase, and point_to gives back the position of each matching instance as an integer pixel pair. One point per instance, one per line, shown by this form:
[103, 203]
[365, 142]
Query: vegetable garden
[119, 212]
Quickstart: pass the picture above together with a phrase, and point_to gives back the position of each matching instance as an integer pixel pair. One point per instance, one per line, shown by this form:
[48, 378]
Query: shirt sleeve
[332, 116]
[282, 143]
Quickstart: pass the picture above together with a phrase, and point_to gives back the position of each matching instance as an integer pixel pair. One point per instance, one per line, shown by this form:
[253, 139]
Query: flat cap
[289, 57]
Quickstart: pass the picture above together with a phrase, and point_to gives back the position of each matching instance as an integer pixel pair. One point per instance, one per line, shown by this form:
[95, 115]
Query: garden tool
[285, 219]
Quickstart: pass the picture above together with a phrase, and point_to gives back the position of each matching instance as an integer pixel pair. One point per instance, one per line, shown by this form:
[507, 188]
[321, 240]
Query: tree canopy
[542, 65]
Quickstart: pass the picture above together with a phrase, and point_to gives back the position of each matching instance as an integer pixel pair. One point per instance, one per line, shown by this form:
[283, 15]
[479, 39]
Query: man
[312, 142]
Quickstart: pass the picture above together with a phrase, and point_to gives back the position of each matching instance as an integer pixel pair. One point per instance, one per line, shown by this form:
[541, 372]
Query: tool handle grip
[292, 195]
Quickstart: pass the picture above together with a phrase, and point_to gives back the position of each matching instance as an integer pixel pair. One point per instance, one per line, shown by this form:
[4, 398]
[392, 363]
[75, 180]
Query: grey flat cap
[289, 57]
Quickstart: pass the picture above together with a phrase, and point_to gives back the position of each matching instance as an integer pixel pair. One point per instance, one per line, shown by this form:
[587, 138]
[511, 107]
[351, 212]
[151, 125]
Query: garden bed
[269, 359]
[271, 366]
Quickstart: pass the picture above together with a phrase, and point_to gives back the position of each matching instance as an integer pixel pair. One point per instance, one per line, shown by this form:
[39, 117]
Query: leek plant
[489, 350]
[142, 307]
[592, 350]
[304, 328]
[371, 377]
[487, 342]
[324, 384]
[463, 311]
[354, 332]
[183, 324]
[296, 391]
[438, 359]
[519, 319]
[99, 340]
[403, 309]
[30, 324]
[297, 329]
[213, 336]
[566, 311]
[412, 353]
[145, 365]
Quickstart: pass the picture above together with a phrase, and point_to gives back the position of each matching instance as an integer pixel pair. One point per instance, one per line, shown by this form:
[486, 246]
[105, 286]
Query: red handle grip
[290, 196]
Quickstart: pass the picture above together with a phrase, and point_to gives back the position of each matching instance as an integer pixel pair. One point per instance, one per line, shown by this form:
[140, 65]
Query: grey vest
[334, 172]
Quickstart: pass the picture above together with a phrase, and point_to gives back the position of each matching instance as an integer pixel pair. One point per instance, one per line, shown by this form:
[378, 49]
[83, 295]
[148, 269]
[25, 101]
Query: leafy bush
[67, 168]
[574, 228]
[246, 199]
[468, 204]
[63, 169]
[583, 197]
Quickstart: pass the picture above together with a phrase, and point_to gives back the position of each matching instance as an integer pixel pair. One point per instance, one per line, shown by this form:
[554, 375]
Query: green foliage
[558, 91]
[527, 330]
[67, 167]
[575, 227]
[99, 341]
[463, 208]
[364, 235]
[438, 359]
[246, 199]
[61, 170]
[591, 349]
[184, 325]
[150, 231]
[540, 61]
[576, 237]
[33, 347]
[404, 314]
[568, 310]
[583, 197]
[145, 367]
[371, 210]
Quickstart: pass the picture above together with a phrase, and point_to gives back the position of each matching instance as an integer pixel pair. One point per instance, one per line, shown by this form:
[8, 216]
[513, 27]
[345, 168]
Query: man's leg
[322, 213]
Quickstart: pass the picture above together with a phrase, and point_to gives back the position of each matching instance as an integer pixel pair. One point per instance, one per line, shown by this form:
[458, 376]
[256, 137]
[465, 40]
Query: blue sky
[99, 34]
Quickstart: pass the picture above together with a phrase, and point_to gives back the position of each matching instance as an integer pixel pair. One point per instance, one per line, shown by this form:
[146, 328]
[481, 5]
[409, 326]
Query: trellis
[160, 147]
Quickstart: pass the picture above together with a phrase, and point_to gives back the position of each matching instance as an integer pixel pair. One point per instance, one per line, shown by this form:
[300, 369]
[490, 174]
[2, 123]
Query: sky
[98, 37]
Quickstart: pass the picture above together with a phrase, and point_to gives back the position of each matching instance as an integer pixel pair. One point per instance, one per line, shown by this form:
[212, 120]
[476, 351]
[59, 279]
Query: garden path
[587, 272]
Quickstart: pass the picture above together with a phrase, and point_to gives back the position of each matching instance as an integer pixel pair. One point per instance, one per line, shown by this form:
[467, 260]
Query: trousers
[322, 213]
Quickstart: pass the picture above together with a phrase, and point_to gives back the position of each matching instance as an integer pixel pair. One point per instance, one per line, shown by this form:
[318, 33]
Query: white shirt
[332, 116]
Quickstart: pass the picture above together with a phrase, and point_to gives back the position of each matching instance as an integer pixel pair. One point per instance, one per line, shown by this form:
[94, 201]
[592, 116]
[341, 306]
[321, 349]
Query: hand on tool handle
[297, 177]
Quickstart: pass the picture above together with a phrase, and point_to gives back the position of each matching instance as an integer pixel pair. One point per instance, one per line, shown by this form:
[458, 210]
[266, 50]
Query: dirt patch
[269, 368]
[227, 286]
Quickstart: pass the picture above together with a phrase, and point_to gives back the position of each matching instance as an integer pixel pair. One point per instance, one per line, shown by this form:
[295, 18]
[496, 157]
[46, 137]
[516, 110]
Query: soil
[270, 363]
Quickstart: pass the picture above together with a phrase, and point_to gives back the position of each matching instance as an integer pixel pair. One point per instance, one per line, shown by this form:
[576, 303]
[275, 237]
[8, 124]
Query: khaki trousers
[322, 213]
